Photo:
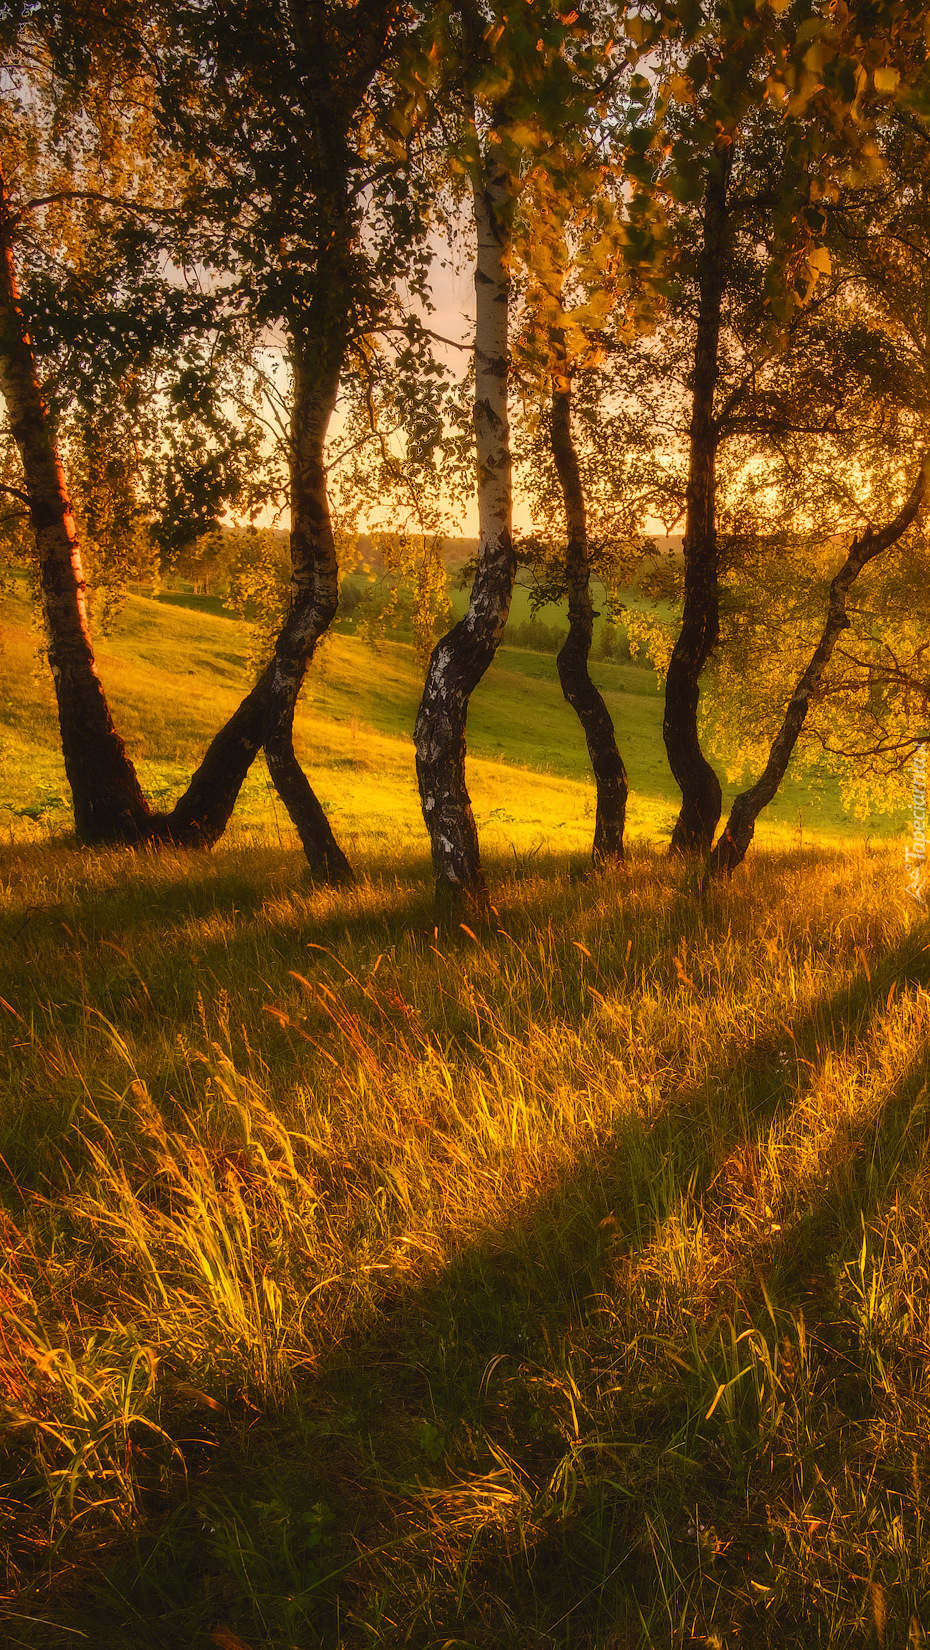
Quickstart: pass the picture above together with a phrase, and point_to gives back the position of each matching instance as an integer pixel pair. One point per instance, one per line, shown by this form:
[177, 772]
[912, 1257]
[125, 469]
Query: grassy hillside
[174, 673]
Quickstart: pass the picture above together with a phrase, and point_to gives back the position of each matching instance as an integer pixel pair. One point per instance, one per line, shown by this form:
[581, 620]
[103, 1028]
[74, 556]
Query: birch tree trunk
[461, 658]
[700, 625]
[266, 716]
[199, 817]
[579, 690]
[335, 68]
[109, 804]
[108, 800]
[734, 841]
[314, 594]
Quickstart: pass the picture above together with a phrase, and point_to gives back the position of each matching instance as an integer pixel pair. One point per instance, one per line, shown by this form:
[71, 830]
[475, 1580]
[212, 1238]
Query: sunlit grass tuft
[365, 1283]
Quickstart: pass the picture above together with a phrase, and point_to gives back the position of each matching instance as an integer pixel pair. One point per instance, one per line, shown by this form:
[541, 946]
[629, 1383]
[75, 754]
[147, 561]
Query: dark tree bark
[314, 594]
[579, 690]
[700, 626]
[266, 715]
[108, 800]
[734, 841]
[461, 658]
[199, 817]
[109, 804]
[334, 75]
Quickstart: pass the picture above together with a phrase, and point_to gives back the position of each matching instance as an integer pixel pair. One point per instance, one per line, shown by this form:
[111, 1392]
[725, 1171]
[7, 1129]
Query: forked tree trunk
[313, 602]
[266, 715]
[108, 800]
[734, 841]
[461, 658]
[700, 625]
[585, 699]
[109, 804]
[199, 817]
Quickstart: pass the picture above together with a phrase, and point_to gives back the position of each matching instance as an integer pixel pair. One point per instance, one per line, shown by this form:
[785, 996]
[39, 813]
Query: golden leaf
[226, 1639]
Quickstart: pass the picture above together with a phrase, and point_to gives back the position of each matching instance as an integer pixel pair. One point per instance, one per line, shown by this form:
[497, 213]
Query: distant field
[174, 669]
[551, 619]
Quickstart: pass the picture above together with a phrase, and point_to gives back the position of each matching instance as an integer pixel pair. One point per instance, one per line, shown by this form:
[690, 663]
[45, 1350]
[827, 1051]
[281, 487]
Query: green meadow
[173, 672]
[368, 1284]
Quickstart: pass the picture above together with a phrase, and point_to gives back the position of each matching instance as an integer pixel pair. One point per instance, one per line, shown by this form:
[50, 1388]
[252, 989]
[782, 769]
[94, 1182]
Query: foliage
[257, 586]
[138, 384]
[116, 542]
[16, 540]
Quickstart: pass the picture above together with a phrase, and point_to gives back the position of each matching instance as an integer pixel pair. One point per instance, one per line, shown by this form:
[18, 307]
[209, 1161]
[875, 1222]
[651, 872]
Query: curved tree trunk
[734, 841]
[108, 800]
[700, 625]
[461, 658]
[199, 817]
[109, 804]
[314, 597]
[266, 715]
[585, 699]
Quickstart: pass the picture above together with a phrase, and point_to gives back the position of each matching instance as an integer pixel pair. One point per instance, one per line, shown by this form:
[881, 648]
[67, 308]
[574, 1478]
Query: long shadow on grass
[209, 923]
[481, 1354]
[835, 1296]
[455, 1378]
[461, 1390]
[546, 1267]
[208, 926]
[146, 900]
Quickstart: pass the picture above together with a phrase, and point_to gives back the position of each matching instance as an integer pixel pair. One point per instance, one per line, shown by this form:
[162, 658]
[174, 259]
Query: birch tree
[515, 90]
[287, 146]
[730, 849]
[108, 800]
[298, 117]
[563, 335]
[847, 672]
[89, 332]
[826, 76]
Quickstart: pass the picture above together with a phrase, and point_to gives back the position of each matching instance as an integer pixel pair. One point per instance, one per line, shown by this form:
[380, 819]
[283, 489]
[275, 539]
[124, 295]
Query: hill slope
[173, 674]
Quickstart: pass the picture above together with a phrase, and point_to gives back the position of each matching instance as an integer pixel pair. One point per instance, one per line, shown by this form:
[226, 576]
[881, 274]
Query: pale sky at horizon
[453, 317]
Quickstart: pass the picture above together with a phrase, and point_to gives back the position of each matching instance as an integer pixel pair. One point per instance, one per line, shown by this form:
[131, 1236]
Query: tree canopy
[701, 238]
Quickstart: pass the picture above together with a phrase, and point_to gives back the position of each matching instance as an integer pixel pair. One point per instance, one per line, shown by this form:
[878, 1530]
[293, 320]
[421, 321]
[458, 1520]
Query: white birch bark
[461, 658]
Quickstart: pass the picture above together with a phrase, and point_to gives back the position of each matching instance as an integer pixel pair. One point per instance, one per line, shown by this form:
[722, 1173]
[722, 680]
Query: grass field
[173, 673]
[369, 1286]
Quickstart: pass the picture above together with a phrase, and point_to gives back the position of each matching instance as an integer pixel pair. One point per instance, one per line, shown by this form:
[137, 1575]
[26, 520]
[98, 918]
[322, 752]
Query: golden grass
[567, 1285]
[173, 676]
[563, 1286]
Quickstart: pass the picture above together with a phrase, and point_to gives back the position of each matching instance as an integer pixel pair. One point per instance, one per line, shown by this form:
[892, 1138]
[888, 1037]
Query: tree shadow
[452, 1389]
[454, 1383]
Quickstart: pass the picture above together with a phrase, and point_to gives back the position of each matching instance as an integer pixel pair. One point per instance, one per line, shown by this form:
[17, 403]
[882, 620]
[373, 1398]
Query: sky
[453, 317]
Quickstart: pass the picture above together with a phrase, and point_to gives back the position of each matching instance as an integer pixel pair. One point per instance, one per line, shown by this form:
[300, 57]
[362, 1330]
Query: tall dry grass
[563, 1284]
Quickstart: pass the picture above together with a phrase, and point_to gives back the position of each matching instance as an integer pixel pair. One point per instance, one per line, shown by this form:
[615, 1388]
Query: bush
[536, 636]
